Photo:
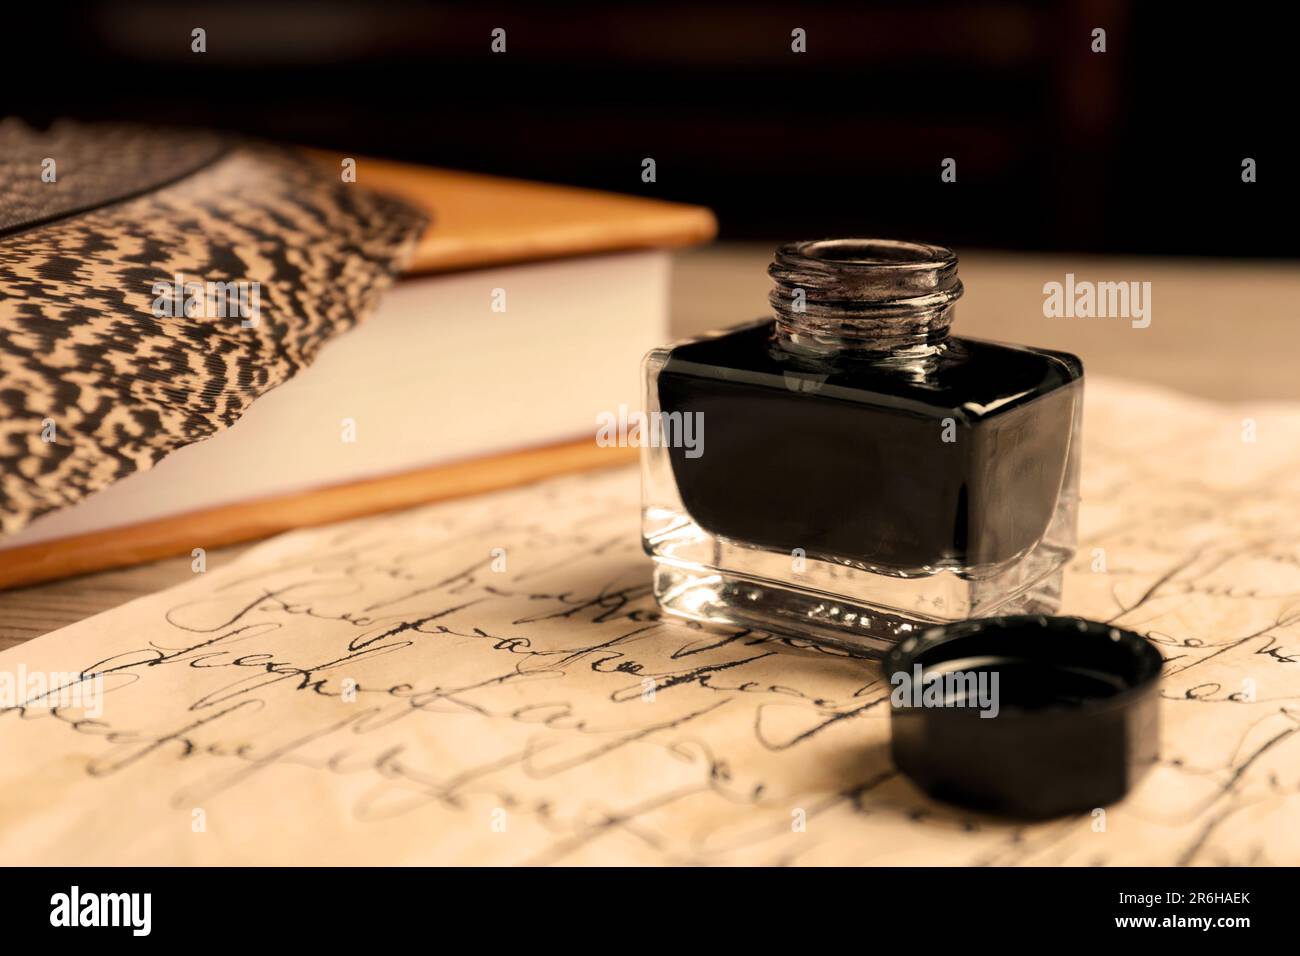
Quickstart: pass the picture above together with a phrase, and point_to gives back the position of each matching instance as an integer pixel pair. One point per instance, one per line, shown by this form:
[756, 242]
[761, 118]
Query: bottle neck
[863, 298]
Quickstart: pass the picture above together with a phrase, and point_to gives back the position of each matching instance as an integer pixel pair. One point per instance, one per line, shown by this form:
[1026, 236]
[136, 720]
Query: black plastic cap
[1072, 713]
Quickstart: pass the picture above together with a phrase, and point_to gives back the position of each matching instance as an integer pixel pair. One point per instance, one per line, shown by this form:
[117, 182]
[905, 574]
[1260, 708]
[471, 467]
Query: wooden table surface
[1228, 331]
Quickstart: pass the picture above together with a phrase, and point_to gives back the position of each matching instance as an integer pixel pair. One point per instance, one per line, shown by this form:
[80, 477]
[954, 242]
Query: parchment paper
[486, 681]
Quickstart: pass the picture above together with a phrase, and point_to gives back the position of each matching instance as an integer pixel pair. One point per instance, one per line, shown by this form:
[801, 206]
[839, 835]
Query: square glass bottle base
[704, 578]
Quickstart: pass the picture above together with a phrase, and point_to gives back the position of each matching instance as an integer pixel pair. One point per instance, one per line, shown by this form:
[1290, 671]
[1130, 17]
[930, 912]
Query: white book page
[434, 376]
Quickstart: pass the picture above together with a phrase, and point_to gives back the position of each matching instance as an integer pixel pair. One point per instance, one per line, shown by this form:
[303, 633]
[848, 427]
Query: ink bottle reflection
[863, 475]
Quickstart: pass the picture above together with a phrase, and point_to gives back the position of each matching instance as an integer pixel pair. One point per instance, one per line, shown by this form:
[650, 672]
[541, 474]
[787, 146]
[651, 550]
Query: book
[520, 317]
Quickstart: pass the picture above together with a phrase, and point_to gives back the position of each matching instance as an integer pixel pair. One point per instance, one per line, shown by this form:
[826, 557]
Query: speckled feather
[80, 345]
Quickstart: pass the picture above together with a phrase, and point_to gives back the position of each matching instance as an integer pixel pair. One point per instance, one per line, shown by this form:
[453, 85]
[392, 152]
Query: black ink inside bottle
[958, 462]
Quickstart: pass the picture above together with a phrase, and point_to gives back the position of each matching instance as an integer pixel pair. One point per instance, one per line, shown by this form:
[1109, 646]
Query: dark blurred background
[1137, 150]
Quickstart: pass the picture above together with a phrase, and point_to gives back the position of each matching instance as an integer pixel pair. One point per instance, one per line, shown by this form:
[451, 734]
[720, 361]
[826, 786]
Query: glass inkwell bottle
[863, 475]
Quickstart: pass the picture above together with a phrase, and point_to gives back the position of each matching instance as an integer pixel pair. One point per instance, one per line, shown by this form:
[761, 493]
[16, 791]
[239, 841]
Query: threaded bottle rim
[877, 295]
